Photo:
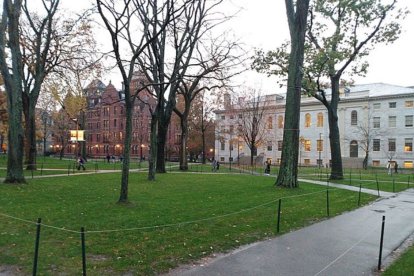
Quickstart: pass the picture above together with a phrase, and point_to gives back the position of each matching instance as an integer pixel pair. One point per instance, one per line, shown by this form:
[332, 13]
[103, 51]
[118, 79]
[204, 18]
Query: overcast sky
[262, 24]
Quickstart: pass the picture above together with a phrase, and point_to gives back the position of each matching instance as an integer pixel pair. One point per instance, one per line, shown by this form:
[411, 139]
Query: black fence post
[381, 243]
[278, 215]
[36, 253]
[376, 176]
[83, 251]
[359, 194]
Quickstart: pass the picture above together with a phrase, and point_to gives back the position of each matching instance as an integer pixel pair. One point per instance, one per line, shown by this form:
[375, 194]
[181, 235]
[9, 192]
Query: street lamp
[142, 145]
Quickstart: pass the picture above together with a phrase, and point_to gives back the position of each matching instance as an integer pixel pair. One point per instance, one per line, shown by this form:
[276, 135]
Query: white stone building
[380, 115]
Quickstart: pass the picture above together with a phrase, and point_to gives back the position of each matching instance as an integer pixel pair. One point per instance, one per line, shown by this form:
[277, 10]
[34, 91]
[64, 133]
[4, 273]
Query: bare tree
[168, 59]
[211, 68]
[133, 25]
[251, 120]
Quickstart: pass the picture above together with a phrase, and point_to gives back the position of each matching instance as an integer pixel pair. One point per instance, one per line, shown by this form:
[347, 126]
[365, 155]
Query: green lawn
[177, 219]
[403, 266]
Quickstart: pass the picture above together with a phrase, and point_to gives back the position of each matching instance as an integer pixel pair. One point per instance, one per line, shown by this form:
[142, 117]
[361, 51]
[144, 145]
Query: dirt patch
[10, 270]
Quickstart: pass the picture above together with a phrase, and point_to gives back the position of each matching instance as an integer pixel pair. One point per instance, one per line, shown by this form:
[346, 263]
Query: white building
[378, 115]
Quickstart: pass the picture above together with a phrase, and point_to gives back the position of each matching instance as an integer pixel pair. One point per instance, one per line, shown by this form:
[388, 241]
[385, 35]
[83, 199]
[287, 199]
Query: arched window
[280, 121]
[269, 123]
[307, 120]
[354, 118]
[353, 149]
[320, 119]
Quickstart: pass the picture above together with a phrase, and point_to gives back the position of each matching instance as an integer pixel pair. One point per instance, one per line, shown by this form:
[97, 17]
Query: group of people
[111, 158]
[215, 165]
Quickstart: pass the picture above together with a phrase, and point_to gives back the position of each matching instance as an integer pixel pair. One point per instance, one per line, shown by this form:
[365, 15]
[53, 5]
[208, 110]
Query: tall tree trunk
[15, 139]
[30, 132]
[183, 143]
[9, 24]
[287, 176]
[334, 136]
[365, 162]
[152, 148]
[123, 197]
[161, 141]
[251, 155]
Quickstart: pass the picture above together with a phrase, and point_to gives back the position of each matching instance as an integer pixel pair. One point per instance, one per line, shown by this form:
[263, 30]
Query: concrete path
[348, 187]
[344, 245]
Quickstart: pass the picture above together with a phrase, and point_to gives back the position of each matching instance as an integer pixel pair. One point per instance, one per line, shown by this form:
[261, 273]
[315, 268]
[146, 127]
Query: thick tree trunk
[289, 162]
[365, 162]
[30, 133]
[161, 141]
[153, 148]
[334, 136]
[123, 197]
[251, 155]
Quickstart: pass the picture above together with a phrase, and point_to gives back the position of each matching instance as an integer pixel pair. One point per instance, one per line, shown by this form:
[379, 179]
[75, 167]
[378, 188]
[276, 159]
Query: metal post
[381, 243]
[377, 186]
[36, 253]
[83, 251]
[359, 194]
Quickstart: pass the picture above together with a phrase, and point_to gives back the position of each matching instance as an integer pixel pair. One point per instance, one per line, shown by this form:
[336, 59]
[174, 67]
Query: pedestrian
[108, 157]
[267, 170]
[389, 168]
[217, 165]
[396, 167]
[121, 158]
[81, 163]
[213, 165]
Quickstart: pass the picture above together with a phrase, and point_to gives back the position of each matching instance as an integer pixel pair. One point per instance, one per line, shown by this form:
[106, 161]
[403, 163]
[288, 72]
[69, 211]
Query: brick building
[105, 123]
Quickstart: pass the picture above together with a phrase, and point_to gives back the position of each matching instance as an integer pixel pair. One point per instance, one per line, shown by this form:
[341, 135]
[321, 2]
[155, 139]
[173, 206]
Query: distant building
[105, 122]
[378, 114]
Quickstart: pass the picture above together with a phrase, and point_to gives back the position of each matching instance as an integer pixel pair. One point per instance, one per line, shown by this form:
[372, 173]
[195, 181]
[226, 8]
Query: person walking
[396, 167]
[389, 168]
[81, 163]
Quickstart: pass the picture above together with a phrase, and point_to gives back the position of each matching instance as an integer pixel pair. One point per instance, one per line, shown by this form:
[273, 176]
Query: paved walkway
[344, 245]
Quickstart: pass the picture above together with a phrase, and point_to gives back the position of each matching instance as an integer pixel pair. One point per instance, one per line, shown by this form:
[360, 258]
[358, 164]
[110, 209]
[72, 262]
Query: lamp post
[320, 150]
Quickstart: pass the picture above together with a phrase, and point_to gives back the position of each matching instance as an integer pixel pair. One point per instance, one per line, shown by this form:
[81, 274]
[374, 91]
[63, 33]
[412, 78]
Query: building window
[307, 145]
[376, 163]
[223, 146]
[320, 120]
[270, 123]
[392, 121]
[240, 116]
[307, 120]
[231, 129]
[280, 121]
[106, 123]
[353, 149]
[408, 146]
[269, 146]
[377, 122]
[319, 145]
[409, 103]
[231, 116]
[279, 145]
[354, 118]
[306, 161]
[391, 145]
[115, 110]
[392, 105]
[222, 159]
[223, 117]
[376, 145]
[114, 122]
[409, 121]
[106, 111]
[408, 164]
[377, 106]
